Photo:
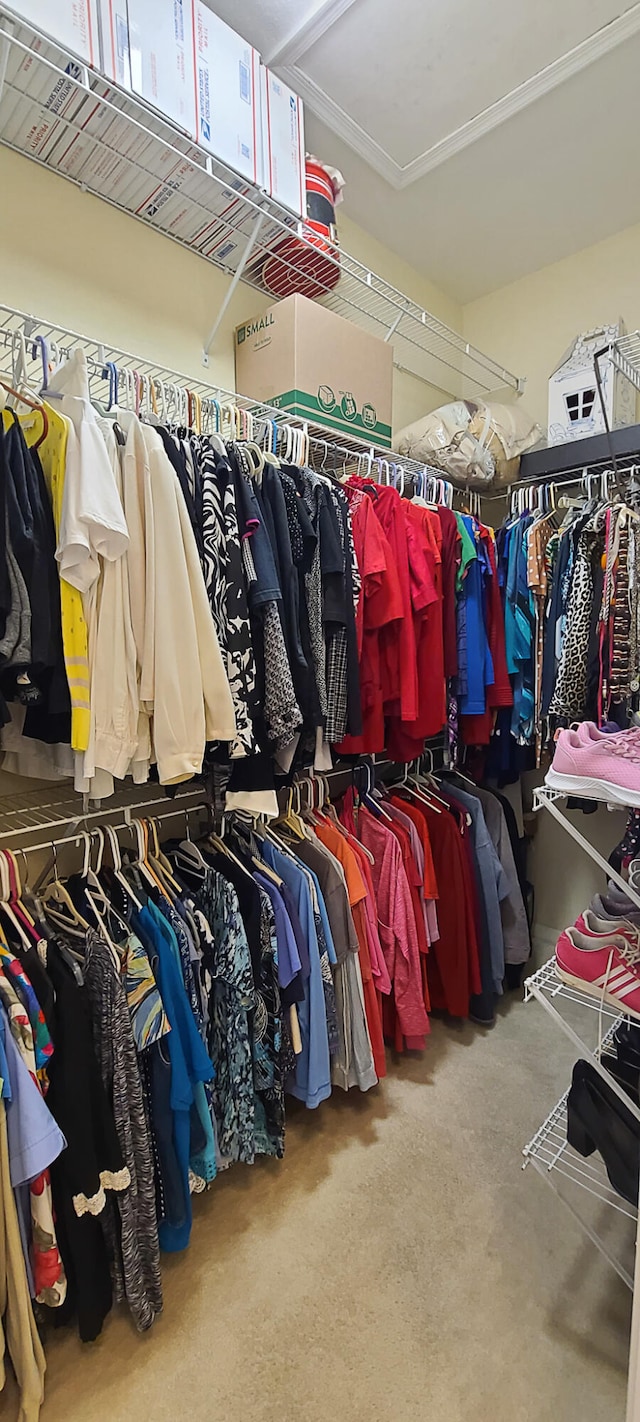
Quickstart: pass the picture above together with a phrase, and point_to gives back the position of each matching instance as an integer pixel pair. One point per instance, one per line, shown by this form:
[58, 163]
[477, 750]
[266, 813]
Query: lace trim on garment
[109, 1180]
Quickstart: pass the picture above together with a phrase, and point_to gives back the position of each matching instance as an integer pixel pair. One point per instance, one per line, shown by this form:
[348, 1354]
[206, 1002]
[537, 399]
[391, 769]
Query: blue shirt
[479, 667]
[190, 1063]
[313, 1071]
[288, 956]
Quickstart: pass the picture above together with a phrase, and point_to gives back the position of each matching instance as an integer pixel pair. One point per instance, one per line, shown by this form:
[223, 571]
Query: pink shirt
[396, 922]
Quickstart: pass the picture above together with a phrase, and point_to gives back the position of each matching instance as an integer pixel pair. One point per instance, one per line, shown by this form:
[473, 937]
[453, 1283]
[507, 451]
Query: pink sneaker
[607, 769]
[588, 733]
[609, 971]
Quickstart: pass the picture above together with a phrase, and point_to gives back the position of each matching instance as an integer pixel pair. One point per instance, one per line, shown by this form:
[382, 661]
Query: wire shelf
[575, 1179]
[40, 811]
[546, 983]
[550, 1150]
[625, 355]
[561, 1000]
[339, 448]
[73, 121]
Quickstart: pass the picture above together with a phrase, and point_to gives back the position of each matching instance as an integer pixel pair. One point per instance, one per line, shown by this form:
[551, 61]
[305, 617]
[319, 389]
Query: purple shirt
[288, 957]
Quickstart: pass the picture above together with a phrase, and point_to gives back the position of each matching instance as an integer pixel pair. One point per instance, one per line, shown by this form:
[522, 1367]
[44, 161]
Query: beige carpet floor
[397, 1266]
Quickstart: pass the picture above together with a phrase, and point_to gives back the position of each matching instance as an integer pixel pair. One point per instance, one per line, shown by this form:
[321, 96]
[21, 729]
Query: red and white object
[282, 142]
[162, 64]
[227, 79]
[114, 41]
[604, 769]
[72, 23]
[609, 971]
[308, 266]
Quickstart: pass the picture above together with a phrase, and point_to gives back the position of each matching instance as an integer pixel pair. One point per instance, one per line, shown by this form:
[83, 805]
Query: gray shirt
[493, 880]
[515, 926]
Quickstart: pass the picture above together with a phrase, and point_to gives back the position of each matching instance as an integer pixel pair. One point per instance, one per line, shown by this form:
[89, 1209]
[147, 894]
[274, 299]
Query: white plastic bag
[474, 443]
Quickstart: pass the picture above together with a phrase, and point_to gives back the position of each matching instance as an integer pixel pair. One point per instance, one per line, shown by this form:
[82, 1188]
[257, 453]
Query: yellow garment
[16, 1313]
[53, 458]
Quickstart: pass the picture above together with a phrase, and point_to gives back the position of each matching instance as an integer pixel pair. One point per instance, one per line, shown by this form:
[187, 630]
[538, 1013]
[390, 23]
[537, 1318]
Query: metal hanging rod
[61, 340]
[26, 813]
[125, 823]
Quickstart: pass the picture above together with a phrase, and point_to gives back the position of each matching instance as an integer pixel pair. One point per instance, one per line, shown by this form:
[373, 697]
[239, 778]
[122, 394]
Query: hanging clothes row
[155, 1010]
[569, 571]
[171, 600]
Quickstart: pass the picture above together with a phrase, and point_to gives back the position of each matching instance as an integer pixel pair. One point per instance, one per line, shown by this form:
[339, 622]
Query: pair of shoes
[600, 765]
[598, 1120]
[603, 959]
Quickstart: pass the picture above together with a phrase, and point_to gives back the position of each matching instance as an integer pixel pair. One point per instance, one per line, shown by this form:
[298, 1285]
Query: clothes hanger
[32, 405]
[15, 895]
[245, 830]
[171, 885]
[6, 907]
[368, 799]
[290, 820]
[57, 898]
[256, 459]
[222, 845]
[116, 858]
[142, 863]
[428, 793]
[159, 858]
[76, 928]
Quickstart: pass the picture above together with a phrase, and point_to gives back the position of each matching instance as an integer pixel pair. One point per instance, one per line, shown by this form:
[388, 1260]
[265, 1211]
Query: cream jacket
[182, 682]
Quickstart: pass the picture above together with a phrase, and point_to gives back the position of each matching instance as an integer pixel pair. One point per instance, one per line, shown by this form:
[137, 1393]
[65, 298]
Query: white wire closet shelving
[587, 1021]
[71, 120]
[334, 447]
[590, 1024]
[625, 355]
[582, 1184]
[33, 819]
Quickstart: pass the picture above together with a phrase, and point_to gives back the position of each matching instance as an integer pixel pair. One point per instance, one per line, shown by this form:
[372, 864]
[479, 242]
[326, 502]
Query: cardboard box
[227, 94]
[114, 41]
[307, 360]
[72, 23]
[161, 47]
[283, 143]
[574, 404]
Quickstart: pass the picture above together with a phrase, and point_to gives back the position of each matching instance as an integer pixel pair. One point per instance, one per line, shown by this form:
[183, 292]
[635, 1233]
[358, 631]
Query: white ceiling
[479, 141]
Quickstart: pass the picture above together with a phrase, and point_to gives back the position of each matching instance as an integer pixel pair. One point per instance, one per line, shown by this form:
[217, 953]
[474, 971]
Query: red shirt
[379, 610]
[450, 561]
[398, 646]
[405, 738]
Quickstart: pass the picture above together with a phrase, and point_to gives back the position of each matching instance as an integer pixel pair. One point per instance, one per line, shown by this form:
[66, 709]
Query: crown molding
[303, 36]
[341, 123]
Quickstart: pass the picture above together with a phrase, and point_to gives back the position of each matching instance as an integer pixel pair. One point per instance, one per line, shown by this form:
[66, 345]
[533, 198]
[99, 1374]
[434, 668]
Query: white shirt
[92, 523]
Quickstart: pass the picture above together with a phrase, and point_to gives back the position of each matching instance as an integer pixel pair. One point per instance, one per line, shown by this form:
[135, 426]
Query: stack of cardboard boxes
[186, 63]
[195, 70]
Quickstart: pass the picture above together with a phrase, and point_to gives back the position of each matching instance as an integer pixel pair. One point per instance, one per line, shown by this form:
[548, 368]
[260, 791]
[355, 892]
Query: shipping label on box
[61, 103]
[305, 359]
[161, 49]
[72, 23]
[114, 41]
[227, 94]
[283, 143]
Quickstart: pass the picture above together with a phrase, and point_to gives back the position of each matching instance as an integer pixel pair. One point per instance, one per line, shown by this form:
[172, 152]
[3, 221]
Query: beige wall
[529, 324]
[67, 256]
